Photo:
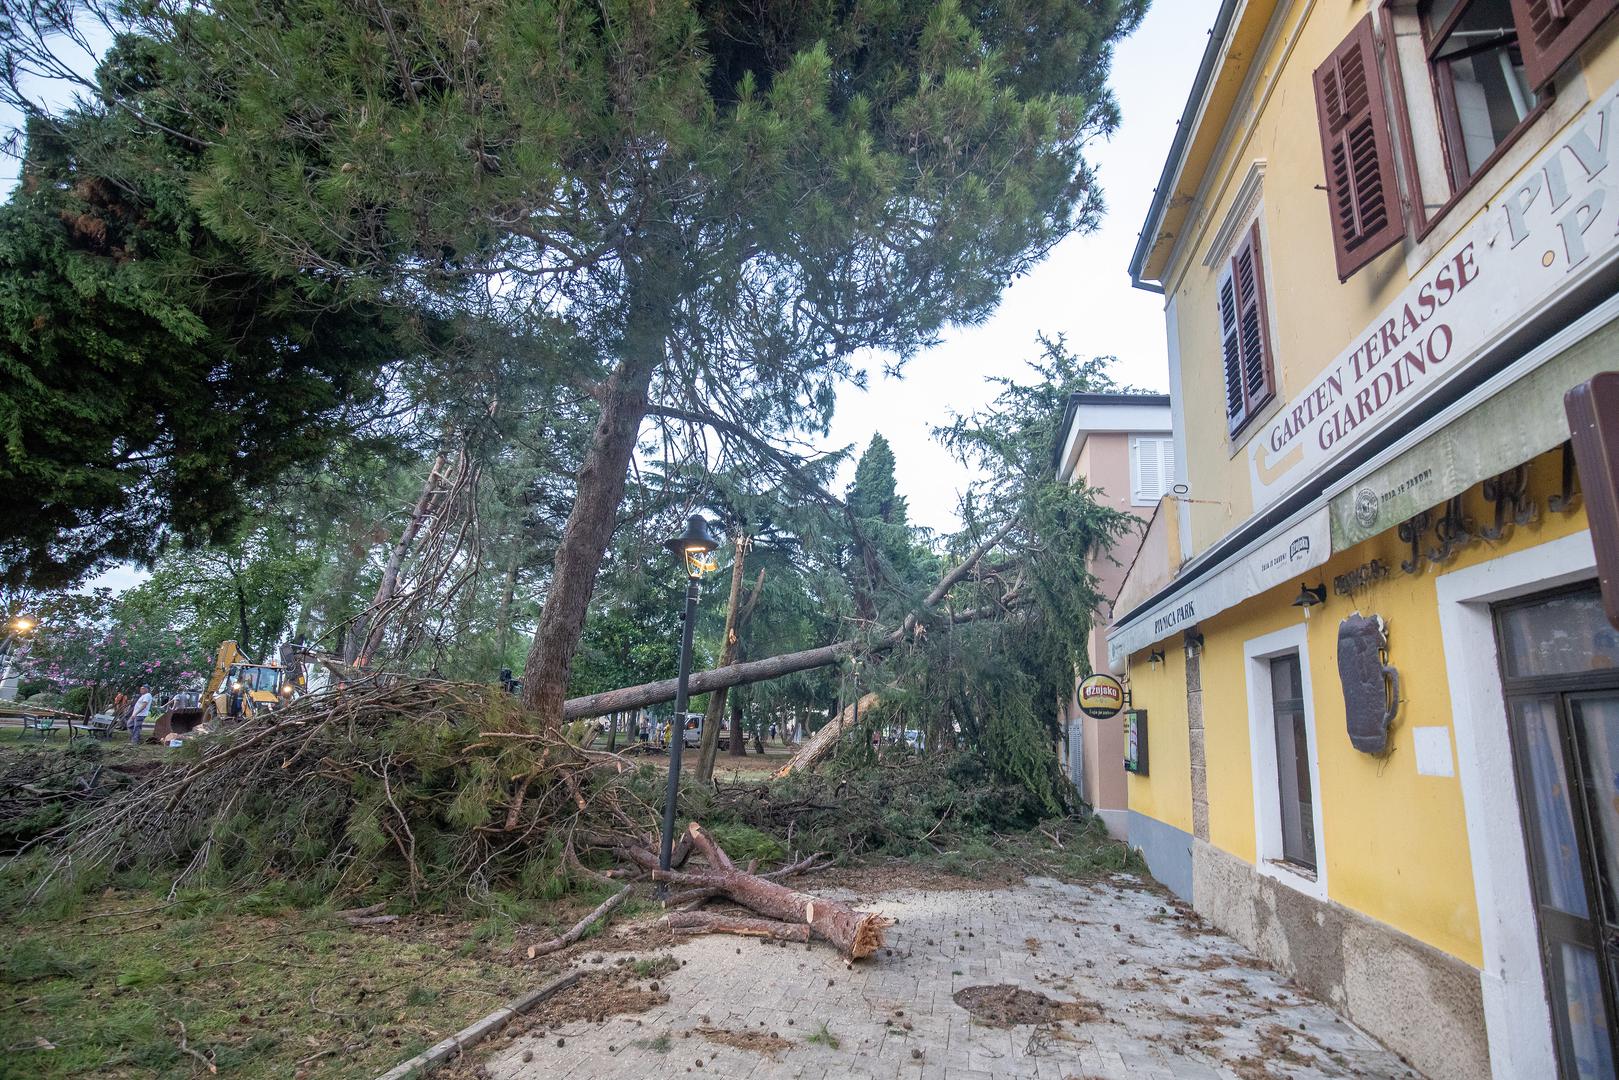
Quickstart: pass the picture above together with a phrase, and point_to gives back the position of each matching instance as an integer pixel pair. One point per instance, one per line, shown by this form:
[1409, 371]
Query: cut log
[817, 746]
[708, 922]
[857, 934]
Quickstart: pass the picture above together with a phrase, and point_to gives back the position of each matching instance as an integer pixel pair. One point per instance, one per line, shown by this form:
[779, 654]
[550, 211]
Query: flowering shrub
[93, 640]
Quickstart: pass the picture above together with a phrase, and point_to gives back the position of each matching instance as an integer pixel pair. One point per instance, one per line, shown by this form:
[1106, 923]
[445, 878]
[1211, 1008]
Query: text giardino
[1389, 361]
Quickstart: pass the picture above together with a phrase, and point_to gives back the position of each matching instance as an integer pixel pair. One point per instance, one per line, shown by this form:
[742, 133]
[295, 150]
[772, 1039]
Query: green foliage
[742, 843]
[30, 959]
[823, 1036]
[654, 967]
[989, 684]
[149, 377]
[888, 565]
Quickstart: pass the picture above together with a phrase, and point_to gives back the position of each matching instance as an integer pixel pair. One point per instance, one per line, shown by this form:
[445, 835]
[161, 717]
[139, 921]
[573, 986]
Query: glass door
[1560, 669]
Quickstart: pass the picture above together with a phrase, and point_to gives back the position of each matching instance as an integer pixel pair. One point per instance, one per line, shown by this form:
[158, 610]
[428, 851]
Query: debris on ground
[767, 1043]
[1005, 1005]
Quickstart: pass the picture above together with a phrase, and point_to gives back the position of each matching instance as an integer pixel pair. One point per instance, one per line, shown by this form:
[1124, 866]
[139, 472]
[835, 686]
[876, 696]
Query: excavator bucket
[183, 716]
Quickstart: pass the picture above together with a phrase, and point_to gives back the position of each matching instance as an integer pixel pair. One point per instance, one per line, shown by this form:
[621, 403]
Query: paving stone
[1231, 1006]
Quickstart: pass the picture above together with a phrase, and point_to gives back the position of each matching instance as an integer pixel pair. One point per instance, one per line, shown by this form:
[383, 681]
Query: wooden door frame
[1517, 1018]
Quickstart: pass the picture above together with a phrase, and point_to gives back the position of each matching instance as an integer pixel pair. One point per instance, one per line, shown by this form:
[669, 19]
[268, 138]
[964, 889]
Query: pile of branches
[420, 790]
[41, 791]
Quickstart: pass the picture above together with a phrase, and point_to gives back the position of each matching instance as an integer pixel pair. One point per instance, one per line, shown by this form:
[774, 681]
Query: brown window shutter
[1550, 31]
[1231, 352]
[1358, 152]
[1249, 272]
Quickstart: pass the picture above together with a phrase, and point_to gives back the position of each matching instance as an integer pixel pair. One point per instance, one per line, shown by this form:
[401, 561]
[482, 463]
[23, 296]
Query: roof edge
[1177, 148]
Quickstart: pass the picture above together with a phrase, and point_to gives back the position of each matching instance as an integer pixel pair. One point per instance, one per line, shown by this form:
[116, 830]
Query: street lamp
[693, 548]
[20, 627]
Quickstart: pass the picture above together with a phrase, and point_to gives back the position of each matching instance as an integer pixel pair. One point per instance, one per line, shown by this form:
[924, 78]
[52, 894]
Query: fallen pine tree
[774, 667]
[416, 795]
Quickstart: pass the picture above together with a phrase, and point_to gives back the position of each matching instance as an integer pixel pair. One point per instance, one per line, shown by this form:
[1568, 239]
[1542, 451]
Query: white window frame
[1166, 483]
[1257, 653]
[1517, 1020]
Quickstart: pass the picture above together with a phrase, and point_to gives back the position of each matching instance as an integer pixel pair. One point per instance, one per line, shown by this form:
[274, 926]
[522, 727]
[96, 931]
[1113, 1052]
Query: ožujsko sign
[1551, 228]
[1100, 696]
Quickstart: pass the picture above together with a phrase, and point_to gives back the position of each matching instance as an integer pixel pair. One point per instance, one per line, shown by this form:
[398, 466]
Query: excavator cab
[237, 690]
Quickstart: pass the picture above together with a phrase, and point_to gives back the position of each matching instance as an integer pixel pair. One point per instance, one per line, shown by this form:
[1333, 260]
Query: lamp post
[692, 547]
[14, 644]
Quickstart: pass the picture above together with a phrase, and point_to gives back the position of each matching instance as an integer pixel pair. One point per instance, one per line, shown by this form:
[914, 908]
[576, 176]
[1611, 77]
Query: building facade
[1122, 448]
[1379, 688]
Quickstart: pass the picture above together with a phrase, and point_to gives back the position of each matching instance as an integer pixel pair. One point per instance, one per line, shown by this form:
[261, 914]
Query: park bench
[101, 725]
[45, 725]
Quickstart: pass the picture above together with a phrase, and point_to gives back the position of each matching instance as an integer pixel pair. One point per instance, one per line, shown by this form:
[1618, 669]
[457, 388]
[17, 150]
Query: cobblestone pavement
[1174, 1000]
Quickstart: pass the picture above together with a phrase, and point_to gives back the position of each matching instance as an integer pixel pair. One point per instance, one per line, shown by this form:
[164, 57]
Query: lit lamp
[19, 627]
[1309, 597]
[694, 548]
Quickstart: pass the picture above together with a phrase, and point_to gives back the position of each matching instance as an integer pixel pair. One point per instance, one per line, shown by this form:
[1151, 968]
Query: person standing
[137, 715]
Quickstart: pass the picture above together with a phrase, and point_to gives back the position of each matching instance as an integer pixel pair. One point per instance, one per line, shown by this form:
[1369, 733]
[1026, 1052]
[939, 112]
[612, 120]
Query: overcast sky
[1082, 290]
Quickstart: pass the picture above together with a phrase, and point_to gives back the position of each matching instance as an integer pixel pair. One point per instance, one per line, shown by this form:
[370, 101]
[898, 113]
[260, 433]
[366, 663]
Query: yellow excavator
[237, 690]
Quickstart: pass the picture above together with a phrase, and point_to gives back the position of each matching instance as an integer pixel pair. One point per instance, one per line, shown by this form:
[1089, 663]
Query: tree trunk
[716, 700]
[820, 744]
[241, 609]
[372, 623]
[774, 667]
[736, 748]
[589, 530]
[856, 933]
[612, 733]
[702, 682]
[503, 621]
[708, 922]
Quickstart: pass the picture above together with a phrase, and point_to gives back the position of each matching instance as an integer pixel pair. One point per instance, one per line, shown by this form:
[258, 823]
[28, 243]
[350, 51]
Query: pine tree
[721, 205]
[150, 378]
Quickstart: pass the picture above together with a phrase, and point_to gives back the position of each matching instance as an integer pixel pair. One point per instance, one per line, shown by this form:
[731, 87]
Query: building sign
[1542, 236]
[1101, 697]
[1277, 561]
[1519, 423]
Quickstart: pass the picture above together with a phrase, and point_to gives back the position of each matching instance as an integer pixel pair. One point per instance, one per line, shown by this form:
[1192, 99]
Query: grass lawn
[256, 991]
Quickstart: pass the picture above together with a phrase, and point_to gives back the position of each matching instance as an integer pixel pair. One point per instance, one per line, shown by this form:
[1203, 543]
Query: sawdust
[767, 1043]
[598, 995]
[1004, 1005]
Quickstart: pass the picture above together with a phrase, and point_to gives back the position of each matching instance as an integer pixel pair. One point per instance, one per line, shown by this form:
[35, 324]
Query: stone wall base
[1424, 1005]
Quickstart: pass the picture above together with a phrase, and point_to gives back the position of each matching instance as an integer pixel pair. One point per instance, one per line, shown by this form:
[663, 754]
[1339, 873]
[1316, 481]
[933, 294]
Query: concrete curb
[476, 1032]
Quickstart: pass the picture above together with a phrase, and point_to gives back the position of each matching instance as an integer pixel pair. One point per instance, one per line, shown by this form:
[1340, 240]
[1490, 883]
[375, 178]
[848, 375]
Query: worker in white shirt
[138, 714]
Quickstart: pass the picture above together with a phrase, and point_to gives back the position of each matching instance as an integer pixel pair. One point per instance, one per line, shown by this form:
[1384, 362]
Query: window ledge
[1291, 874]
[1237, 441]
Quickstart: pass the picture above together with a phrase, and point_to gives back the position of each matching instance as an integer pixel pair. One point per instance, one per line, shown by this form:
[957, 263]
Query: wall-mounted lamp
[1194, 642]
[1155, 657]
[1309, 597]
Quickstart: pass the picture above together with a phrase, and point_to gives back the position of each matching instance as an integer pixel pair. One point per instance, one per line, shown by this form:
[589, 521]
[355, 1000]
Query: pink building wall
[1097, 455]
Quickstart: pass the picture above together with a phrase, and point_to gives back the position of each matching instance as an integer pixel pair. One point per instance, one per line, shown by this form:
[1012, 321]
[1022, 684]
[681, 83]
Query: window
[1152, 468]
[1357, 152]
[1479, 78]
[1245, 334]
[1293, 762]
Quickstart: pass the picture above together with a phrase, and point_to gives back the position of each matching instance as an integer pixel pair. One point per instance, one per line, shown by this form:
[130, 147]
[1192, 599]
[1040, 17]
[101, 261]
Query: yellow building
[1375, 692]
